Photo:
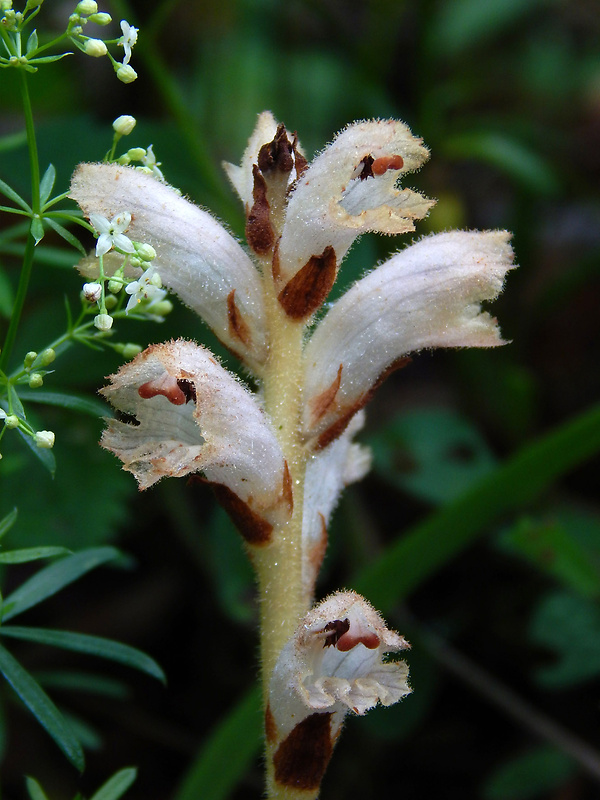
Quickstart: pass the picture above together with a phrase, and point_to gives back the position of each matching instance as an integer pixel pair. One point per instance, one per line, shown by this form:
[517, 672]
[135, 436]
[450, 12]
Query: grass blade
[116, 786]
[227, 754]
[90, 645]
[53, 578]
[43, 709]
[426, 548]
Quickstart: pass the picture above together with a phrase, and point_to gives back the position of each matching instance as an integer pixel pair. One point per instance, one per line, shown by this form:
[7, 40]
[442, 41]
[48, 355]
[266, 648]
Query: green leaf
[32, 43]
[508, 154]
[116, 786]
[43, 454]
[434, 454]
[463, 23]
[226, 756]
[89, 683]
[13, 140]
[76, 402]
[90, 645]
[37, 229]
[6, 190]
[569, 627]
[66, 235]
[425, 549]
[47, 183]
[550, 546]
[55, 577]
[43, 709]
[34, 790]
[7, 522]
[31, 554]
[540, 771]
[48, 59]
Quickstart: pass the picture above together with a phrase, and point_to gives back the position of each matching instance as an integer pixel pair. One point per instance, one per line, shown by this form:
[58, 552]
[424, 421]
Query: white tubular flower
[128, 40]
[112, 233]
[428, 295]
[327, 474]
[192, 416]
[332, 665]
[349, 189]
[195, 256]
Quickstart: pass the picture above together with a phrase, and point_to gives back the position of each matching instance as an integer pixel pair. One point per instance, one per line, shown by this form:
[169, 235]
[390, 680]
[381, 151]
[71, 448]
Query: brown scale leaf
[309, 287]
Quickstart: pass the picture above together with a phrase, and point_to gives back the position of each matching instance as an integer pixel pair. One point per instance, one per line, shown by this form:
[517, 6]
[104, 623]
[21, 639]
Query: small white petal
[195, 256]
[428, 295]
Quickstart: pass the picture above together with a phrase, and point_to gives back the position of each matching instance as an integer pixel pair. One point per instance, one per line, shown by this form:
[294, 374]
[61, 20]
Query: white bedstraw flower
[124, 124]
[44, 439]
[95, 48]
[103, 322]
[192, 415]
[112, 233]
[147, 287]
[86, 7]
[128, 40]
[150, 162]
[126, 73]
[92, 292]
[332, 665]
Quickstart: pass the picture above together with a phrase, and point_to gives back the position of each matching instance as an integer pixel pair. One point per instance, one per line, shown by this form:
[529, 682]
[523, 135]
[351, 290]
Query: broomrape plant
[278, 459]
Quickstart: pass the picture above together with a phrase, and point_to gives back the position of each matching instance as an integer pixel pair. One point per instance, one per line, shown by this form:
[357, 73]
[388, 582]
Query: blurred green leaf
[569, 627]
[7, 191]
[230, 568]
[8, 521]
[7, 295]
[550, 546]
[43, 709]
[47, 183]
[508, 154]
[66, 235]
[90, 645]
[55, 577]
[37, 229]
[43, 454]
[459, 24]
[529, 775]
[13, 140]
[34, 790]
[116, 786]
[70, 400]
[422, 551]
[434, 454]
[90, 683]
[227, 754]
[31, 554]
